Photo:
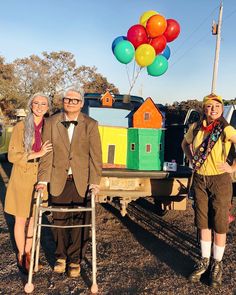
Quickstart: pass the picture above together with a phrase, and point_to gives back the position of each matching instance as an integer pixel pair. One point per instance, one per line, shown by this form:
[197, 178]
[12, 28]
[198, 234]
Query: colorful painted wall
[114, 146]
[145, 150]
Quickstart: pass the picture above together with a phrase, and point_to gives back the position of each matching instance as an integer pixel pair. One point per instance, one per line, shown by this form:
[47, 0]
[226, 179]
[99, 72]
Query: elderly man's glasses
[71, 100]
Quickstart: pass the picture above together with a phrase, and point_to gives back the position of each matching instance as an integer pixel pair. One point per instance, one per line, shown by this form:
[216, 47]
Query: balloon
[158, 43]
[145, 16]
[172, 31]
[156, 25]
[166, 52]
[137, 35]
[116, 41]
[124, 51]
[145, 55]
[158, 67]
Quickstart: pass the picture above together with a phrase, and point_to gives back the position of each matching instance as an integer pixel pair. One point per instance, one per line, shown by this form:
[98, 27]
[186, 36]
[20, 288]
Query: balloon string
[134, 69]
[134, 80]
[127, 72]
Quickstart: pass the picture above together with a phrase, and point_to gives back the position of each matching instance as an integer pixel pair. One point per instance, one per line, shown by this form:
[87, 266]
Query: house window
[147, 116]
[148, 148]
[132, 146]
[107, 99]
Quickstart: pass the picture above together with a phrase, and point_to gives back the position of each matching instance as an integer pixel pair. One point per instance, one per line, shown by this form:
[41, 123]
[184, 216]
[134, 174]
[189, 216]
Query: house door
[111, 154]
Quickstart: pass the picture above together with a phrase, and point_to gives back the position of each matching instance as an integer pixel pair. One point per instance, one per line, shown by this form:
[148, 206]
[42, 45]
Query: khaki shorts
[213, 196]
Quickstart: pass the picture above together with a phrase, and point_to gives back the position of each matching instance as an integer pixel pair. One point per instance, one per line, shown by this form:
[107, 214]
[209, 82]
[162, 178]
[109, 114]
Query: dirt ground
[141, 253]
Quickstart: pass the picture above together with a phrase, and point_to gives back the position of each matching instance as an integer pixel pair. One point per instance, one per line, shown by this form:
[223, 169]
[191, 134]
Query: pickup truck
[5, 134]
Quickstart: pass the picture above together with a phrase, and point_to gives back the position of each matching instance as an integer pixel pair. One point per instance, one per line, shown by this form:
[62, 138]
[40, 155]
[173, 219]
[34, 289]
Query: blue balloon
[116, 41]
[166, 52]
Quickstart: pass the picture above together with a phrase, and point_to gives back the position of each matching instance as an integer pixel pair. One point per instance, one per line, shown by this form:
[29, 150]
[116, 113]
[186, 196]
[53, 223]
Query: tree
[176, 113]
[9, 96]
[94, 82]
[54, 72]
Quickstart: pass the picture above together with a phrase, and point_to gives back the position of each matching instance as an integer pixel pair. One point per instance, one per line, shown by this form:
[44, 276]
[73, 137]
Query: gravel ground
[141, 253]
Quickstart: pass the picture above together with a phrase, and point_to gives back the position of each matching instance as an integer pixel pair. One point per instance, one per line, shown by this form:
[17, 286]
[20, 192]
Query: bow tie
[67, 123]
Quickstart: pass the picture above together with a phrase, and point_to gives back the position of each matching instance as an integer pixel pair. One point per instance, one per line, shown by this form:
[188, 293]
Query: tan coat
[83, 154]
[23, 177]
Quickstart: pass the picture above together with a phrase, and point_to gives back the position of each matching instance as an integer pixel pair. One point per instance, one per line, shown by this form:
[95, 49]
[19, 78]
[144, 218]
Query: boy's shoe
[199, 269]
[216, 273]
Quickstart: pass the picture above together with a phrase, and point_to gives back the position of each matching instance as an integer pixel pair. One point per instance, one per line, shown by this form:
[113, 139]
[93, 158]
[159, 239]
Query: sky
[88, 28]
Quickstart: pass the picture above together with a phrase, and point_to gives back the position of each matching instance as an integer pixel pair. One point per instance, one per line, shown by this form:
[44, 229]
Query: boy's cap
[212, 96]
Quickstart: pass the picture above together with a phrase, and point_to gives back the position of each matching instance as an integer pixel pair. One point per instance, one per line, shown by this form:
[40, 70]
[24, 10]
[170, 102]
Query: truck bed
[182, 172]
[129, 185]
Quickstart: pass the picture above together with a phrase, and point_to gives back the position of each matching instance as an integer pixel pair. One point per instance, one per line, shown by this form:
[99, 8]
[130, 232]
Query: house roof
[155, 105]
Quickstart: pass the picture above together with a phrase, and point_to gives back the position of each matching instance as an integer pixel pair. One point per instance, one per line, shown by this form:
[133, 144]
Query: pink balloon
[137, 35]
[172, 31]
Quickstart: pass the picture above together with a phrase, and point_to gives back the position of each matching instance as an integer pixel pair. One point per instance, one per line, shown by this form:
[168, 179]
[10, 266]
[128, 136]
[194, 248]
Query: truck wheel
[158, 208]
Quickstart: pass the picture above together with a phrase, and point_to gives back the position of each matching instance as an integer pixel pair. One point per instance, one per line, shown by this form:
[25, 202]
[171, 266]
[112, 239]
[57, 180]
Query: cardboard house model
[114, 146]
[145, 149]
[107, 99]
[146, 116]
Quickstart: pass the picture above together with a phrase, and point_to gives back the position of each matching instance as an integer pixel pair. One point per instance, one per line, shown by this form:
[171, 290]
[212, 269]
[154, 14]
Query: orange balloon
[156, 25]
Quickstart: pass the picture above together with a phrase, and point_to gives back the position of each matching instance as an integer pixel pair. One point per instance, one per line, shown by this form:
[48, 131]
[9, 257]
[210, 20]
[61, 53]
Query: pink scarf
[37, 137]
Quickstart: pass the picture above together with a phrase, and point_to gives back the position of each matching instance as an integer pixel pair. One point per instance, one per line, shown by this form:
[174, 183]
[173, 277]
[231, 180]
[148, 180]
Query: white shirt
[70, 134]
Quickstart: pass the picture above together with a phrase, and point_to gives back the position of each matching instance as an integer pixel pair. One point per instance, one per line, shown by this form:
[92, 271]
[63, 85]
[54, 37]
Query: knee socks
[206, 248]
[218, 252]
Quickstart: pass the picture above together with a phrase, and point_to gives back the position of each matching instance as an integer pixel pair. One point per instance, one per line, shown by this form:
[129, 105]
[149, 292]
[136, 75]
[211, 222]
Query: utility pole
[216, 30]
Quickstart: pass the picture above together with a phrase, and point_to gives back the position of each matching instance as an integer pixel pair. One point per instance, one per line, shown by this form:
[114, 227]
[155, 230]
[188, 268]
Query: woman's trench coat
[20, 190]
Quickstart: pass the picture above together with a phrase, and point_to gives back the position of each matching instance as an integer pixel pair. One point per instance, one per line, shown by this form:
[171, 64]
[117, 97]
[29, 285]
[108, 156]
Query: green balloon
[124, 51]
[158, 67]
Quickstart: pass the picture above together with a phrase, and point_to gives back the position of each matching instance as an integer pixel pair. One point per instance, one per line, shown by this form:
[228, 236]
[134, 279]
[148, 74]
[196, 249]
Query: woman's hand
[225, 167]
[46, 148]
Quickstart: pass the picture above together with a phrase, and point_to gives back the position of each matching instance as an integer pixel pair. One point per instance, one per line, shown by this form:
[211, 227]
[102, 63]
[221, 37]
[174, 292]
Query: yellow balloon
[145, 55]
[145, 16]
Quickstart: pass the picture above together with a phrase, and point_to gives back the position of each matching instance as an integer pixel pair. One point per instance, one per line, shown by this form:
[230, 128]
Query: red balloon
[137, 35]
[159, 43]
[172, 31]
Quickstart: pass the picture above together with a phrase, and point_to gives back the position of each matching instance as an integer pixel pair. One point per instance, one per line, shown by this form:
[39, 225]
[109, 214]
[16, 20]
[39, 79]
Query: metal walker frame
[39, 209]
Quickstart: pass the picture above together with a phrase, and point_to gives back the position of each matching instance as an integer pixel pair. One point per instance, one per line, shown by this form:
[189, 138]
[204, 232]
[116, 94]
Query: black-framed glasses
[71, 100]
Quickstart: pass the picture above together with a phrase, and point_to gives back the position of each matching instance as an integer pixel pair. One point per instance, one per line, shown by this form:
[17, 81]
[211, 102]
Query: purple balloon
[116, 41]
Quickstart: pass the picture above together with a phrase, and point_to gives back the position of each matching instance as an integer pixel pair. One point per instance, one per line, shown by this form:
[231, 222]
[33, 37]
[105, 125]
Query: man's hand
[41, 186]
[94, 188]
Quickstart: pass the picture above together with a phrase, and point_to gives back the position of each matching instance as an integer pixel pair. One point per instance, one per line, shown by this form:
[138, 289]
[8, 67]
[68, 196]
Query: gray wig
[29, 121]
[80, 91]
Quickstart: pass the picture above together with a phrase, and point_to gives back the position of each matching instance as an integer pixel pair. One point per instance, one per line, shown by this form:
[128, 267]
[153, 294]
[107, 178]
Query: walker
[39, 209]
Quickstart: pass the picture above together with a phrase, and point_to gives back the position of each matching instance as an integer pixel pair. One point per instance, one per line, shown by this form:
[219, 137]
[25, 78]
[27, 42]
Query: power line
[195, 30]
[194, 46]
